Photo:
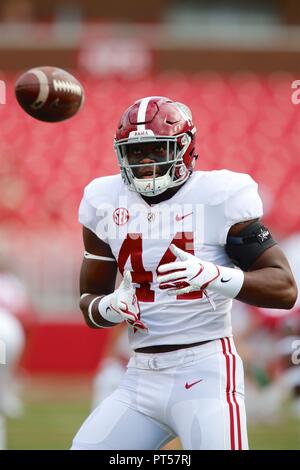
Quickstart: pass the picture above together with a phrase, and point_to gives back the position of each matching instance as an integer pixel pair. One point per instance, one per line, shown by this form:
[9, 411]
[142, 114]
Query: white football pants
[195, 393]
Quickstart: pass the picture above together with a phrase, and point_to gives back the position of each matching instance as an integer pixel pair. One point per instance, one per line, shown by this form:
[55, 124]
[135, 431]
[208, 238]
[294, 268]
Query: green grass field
[55, 408]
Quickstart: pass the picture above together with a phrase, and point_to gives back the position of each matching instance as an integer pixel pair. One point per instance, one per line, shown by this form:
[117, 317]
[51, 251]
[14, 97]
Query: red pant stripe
[234, 396]
[228, 395]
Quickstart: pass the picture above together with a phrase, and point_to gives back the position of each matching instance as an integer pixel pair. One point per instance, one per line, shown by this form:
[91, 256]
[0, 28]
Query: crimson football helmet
[167, 123]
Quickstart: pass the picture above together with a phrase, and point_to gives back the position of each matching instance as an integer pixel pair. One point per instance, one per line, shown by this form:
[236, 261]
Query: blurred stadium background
[234, 64]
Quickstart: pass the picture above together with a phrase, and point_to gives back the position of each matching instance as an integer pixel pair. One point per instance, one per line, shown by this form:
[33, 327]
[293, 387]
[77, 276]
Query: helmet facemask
[152, 173]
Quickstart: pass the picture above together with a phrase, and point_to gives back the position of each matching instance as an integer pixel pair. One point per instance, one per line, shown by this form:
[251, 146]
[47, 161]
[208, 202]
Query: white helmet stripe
[184, 111]
[141, 117]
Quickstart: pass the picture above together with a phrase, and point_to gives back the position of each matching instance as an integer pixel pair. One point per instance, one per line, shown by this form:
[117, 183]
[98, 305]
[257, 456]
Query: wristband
[90, 312]
[107, 312]
[228, 283]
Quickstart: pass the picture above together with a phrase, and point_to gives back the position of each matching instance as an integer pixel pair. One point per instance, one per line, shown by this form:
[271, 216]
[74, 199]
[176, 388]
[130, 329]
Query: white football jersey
[197, 219]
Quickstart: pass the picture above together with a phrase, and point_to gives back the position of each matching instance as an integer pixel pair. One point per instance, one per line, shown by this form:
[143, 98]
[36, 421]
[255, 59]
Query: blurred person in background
[14, 326]
[284, 327]
[285, 365]
[267, 340]
[113, 366]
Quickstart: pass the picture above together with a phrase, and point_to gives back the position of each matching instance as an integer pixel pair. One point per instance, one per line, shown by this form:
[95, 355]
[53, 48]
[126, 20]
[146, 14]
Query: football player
[14, 303]
[113, 365]
[186, 243]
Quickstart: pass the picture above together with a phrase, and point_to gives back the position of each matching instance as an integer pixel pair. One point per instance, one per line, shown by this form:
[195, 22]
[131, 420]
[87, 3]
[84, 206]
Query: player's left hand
[187, 275]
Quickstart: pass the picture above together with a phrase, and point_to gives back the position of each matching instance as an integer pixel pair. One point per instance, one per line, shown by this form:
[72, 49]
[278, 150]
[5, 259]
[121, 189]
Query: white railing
[161, 36]
[49, 264]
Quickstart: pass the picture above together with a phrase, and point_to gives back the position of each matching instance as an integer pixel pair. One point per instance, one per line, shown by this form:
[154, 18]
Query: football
[49, 94]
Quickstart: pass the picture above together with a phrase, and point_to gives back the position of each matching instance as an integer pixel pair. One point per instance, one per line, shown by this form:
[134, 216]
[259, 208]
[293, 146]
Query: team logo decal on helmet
[150, 121]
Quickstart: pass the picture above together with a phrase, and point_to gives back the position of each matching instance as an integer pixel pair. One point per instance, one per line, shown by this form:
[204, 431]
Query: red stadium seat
[245, 122]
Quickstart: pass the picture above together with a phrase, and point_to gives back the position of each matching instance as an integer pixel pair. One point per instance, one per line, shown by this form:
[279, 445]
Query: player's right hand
[124, 301]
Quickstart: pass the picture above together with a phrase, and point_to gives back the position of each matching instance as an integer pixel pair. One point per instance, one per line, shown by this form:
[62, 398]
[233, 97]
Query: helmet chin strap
[152, 187]
[156, 186]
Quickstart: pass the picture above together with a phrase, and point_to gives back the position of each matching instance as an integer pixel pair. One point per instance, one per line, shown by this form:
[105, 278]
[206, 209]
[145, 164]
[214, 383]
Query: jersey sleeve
[243, 204]
[86, 215]
[91, 212]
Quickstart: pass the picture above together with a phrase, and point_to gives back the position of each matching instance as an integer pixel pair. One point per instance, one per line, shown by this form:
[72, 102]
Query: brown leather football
[49, 94]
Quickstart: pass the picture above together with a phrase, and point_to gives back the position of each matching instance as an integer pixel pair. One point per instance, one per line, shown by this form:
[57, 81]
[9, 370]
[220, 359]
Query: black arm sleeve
[244, 248]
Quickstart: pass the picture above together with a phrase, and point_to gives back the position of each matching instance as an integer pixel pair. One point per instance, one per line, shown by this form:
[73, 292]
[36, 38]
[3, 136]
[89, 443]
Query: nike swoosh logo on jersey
[187, 386]
[180, 217]
[225, 280]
